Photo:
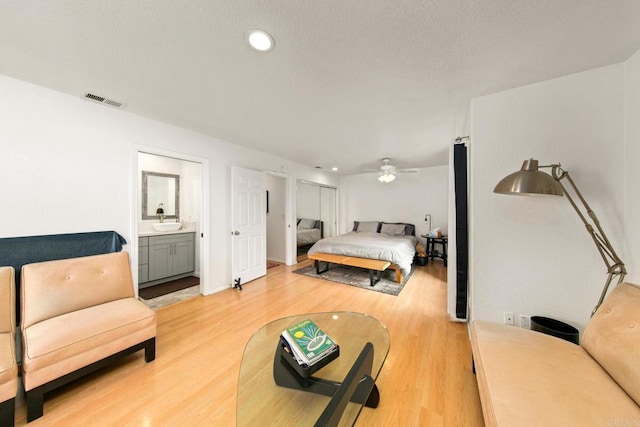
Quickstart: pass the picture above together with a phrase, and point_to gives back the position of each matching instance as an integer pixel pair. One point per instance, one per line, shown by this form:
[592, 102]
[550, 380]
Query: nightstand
[431, 247]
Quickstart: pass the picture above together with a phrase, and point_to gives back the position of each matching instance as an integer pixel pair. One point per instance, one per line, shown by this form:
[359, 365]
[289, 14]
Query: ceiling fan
[387, 172]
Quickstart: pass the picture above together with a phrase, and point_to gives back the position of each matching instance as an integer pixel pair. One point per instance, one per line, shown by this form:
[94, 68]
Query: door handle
[236, 233]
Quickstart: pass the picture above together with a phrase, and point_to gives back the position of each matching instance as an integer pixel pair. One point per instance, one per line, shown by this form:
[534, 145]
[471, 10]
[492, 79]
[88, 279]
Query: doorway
[280, 193]
[276, 195]
[190, 212]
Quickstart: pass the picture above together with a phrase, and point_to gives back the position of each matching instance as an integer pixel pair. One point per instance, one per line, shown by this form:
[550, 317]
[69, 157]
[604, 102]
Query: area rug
[172, 298]
[358, 277]
[168, 287]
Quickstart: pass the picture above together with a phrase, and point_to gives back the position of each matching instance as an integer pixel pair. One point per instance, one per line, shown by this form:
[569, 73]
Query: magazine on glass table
[309, 345]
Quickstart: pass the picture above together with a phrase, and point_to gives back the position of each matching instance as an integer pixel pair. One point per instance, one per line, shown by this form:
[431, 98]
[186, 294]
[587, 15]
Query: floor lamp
[530, 181]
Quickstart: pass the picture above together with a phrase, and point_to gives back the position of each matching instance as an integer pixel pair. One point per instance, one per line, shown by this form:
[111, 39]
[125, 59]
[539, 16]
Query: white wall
[191, 192]
[68, 166]
[632, 171]
[407, 199]
[532, 255]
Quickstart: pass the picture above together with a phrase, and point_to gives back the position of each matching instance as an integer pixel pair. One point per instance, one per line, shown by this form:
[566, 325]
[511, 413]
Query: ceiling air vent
[103, 100]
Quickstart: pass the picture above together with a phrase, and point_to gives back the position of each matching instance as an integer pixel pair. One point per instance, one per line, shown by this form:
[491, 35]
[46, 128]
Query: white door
[248, 222]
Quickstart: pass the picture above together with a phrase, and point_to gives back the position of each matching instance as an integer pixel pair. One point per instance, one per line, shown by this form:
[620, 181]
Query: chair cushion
[8, 300]
[8, 368]
[612, 337]
[526, 378]
[53, 288]
[63, 344]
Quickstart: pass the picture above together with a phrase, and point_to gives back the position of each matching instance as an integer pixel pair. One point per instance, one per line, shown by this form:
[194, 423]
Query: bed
[309, 231]
[393, 242]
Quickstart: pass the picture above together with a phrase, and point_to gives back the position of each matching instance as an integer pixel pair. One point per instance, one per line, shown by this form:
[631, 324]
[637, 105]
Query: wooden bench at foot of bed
[375, 266]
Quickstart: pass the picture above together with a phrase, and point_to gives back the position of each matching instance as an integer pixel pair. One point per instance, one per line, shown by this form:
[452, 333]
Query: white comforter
[400, 250]
[306, 236]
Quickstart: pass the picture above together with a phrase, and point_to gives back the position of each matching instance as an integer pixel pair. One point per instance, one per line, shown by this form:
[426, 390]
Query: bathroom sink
[167, 226]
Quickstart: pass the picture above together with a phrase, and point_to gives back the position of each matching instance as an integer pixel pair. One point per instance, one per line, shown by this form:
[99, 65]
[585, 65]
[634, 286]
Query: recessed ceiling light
[260, 40]
[335, 169]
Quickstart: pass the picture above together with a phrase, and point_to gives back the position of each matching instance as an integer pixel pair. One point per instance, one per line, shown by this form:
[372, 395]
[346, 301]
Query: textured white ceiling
[348, 83]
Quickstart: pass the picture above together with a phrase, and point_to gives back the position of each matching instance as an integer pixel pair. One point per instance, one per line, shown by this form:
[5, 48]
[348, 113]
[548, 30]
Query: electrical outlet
[525, 321]
[508, 318]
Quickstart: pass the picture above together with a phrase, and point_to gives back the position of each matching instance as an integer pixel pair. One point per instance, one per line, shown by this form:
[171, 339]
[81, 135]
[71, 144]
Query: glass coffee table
[272, 393]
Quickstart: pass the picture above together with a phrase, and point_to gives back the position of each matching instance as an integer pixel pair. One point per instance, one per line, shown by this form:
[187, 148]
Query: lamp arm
[615, 266]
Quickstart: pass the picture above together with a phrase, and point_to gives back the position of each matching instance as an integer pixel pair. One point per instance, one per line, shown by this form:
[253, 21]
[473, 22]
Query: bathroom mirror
[160, 188]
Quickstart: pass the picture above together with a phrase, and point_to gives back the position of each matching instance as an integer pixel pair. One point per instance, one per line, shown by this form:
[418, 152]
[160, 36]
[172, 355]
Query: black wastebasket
[420, 260]
[556, 328]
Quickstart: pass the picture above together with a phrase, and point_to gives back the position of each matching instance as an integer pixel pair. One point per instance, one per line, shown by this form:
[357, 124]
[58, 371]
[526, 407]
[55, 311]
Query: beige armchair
[8, 366]
[78, 314]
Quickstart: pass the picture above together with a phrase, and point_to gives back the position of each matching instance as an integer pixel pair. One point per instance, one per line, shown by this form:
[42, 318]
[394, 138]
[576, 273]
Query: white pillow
[306, 223]
[368, 226]
[392, 229]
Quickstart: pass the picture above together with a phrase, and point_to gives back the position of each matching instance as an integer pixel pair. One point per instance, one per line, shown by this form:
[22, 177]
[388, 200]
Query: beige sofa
[8, 367]
[78, 314]
[527, 378]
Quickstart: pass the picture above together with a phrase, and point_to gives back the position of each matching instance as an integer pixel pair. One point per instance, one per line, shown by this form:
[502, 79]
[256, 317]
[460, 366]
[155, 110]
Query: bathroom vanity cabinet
[165, 256]
[143, 259]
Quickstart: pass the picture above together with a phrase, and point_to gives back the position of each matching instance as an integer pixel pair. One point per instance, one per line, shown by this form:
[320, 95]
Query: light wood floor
[425, 381]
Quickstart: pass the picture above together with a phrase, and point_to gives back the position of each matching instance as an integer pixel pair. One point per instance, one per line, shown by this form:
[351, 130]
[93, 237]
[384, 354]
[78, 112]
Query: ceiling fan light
[386, 177]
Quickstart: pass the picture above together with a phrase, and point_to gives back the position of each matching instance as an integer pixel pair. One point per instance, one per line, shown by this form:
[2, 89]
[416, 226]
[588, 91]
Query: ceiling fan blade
[406, 171]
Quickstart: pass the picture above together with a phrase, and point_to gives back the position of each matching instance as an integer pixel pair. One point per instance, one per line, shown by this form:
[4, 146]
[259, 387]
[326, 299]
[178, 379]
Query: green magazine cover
[309, 341]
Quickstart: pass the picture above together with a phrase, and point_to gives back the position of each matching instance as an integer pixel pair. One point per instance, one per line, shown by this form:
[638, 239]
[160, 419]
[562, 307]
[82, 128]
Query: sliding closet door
[328, 210]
